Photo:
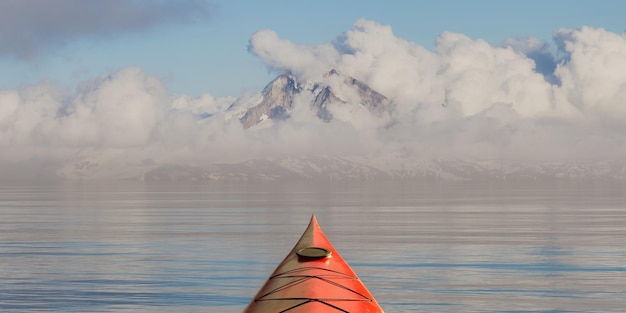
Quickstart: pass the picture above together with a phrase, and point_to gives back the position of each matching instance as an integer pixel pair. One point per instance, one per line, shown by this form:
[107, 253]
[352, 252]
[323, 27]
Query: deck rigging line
[323, 277]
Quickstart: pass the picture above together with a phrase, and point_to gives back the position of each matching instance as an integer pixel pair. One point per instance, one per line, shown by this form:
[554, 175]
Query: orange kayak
[313, 278]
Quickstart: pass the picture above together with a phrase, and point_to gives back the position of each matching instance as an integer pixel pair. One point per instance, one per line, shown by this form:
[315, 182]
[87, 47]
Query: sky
[124, 81]
[201, 46]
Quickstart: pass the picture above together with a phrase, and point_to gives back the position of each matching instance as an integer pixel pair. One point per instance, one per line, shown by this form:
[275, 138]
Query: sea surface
[442, 247]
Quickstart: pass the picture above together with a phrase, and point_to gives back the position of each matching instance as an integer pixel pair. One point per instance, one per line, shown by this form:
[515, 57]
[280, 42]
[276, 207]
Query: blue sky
[208, 53]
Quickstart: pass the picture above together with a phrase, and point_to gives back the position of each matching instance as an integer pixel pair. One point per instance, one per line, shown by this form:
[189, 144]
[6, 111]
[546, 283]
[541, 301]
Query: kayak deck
[313, 278]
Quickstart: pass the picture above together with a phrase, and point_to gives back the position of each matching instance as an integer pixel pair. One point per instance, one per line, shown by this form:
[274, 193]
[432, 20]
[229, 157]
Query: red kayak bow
[313, 278]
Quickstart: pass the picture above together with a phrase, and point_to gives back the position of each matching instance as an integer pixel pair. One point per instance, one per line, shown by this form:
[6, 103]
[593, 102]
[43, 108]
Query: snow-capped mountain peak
[333, 88]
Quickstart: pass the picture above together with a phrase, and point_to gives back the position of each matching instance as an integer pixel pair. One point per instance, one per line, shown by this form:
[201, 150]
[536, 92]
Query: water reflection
[431, 248]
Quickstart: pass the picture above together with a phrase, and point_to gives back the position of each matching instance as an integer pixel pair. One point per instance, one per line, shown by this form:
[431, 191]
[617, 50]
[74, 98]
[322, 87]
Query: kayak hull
[313, 278]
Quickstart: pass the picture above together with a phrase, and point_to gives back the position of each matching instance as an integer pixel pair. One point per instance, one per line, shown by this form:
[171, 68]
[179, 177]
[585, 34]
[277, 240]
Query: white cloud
[465, 97]
[120, 110]
[593, 78]
[29, 115]
[308, 62]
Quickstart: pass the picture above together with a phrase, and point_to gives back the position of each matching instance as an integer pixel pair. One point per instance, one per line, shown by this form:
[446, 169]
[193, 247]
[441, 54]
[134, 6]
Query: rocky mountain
[277, 101]
[334, 88]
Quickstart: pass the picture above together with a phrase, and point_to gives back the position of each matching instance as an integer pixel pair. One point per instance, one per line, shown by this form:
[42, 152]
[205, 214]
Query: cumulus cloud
[27, 27]
[308, 62]
[463, 98]
[469, 96]
[124, 115]
[593, 76]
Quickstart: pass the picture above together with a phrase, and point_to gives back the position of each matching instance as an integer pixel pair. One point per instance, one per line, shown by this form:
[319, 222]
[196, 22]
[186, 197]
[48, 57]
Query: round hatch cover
[314, 252]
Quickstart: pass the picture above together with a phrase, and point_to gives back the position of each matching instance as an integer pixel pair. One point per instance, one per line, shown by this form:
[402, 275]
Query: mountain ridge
[327, 168]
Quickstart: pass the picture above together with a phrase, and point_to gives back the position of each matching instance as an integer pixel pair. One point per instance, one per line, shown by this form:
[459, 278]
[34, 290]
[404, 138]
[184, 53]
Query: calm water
[130, 247]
